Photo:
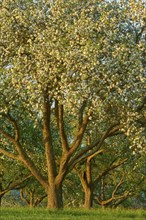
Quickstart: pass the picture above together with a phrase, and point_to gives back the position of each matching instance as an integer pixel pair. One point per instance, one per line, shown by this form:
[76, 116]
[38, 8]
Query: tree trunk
[31, 206]
[88, 200]
[31, 198]
[55, 200]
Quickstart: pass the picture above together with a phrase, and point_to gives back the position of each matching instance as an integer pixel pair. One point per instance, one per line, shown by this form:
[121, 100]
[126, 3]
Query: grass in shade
[70, 214]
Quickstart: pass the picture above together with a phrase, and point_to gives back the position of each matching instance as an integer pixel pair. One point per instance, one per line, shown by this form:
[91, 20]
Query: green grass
[70, 214]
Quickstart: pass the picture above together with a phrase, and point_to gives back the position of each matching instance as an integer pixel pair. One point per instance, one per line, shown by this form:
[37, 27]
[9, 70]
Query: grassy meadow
[70, 214]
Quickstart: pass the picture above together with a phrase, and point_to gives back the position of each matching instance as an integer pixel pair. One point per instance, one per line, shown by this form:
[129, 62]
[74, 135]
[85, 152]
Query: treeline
[114, 183]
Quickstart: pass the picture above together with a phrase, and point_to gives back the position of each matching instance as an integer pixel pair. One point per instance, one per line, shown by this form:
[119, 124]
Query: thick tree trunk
[88, 200]
[55, 200]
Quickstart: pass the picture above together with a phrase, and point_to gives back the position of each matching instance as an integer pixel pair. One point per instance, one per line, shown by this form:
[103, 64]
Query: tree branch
[23, 157]
[15, 125]
[7, 136]
[79, 136]
[62, 133]
[117, 187]
[95, 146]
[10, 155]
[15, 185]
[39, 200]
[49, 152]
[106, 171]
[84, 157]
[23, 197]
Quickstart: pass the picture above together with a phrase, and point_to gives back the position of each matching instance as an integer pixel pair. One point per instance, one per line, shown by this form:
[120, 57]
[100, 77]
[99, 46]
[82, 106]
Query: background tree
[119, 185]
[115, 157]
[72, 191]
[32, 194]
[12, 176]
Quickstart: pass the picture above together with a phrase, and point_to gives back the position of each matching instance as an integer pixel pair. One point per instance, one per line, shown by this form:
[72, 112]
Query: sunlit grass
[71, 214]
